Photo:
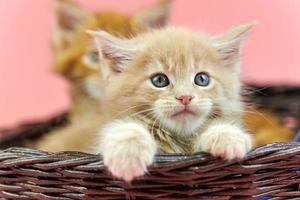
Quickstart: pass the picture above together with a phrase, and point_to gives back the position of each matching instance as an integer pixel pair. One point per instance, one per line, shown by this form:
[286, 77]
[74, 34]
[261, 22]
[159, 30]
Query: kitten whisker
[249, 91]
[140, 112]
[153, 124]
[127, 109]
[250, 112]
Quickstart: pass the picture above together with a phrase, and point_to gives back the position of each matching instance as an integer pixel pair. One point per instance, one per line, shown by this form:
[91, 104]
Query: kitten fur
[142, 119]
[266, 127]
[75, 60]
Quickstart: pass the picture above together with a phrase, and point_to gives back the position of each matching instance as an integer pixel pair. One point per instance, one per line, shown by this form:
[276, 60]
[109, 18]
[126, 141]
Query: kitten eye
[93, 56]
[160, 80]
[202, 79]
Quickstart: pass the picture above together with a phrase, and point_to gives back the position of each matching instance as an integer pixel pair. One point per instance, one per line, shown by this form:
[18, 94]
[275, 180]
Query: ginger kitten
[74, 56]
[171, 90]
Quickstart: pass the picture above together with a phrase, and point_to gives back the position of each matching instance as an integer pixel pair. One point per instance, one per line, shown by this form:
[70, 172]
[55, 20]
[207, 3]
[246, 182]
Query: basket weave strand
[269, 172]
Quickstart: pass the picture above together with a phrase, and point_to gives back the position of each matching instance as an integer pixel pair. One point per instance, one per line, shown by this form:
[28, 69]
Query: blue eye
[202, 79]
[160, 80]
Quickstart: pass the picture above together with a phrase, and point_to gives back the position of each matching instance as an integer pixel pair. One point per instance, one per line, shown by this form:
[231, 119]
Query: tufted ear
[68, 18]
[119, 51]
[229, 44]
[156, 16]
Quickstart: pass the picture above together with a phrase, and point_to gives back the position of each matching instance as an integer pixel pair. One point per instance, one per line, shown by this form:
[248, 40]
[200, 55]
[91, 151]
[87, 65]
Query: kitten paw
[128, 150]
[226, 141]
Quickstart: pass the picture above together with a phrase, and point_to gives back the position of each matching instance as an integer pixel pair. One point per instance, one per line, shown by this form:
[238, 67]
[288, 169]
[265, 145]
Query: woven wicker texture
[269, 172]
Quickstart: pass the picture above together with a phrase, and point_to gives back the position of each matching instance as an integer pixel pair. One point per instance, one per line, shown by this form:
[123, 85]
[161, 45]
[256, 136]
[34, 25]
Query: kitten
[175, 91]
[76, 61]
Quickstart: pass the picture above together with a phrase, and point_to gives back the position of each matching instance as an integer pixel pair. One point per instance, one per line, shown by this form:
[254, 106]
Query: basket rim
[280, 148]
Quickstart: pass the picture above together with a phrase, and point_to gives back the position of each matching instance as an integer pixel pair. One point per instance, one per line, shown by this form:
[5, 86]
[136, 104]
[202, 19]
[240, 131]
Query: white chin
[183, 117]
[185, 124]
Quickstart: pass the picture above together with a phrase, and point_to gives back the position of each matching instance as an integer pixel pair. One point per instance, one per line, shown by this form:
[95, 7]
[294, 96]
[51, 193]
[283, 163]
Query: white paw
[226, 141]
[127, 150]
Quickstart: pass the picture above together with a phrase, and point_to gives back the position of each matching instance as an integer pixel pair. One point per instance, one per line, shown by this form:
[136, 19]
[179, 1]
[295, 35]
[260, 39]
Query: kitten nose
[185, 99]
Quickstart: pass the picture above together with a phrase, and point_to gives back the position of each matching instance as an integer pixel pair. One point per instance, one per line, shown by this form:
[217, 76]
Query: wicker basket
[268, 172]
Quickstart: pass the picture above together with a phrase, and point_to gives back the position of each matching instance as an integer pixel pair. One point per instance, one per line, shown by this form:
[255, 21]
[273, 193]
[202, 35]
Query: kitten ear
[68, 18]
[229, 44]
[119, 51]
[156, 16]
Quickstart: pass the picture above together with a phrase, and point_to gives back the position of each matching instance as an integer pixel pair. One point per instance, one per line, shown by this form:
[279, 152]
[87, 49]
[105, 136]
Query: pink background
[29, 90]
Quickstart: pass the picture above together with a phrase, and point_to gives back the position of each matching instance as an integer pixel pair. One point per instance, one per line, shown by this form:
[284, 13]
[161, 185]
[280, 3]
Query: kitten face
[191, 91]
[183, 106]
[176, 78]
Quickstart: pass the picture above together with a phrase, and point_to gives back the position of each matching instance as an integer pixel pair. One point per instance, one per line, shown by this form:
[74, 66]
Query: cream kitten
[171, 90]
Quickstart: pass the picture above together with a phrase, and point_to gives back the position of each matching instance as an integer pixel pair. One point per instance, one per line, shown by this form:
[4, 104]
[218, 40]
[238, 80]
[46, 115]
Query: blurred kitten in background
[75, 58]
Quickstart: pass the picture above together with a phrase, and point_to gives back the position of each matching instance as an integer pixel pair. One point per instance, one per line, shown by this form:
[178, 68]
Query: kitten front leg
[226, 140]
[127, 149]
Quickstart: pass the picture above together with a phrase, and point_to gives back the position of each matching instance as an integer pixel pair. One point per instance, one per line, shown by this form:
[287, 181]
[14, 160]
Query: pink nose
[185, 99]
